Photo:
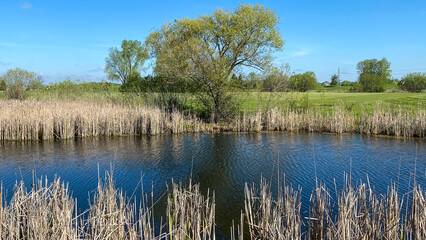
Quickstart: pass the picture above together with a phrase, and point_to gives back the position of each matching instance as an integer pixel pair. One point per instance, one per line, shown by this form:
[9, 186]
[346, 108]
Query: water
[221, 162]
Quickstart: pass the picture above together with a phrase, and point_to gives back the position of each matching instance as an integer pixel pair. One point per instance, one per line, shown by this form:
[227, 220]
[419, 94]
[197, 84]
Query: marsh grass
[382, 121]
[43, 120]
[48, 211]
[190, 214]
[269, 218]
[356, 212]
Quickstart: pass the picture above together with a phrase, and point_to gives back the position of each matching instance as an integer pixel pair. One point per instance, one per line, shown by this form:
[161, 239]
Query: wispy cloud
[98, 69]
[300, 53]
[4, 63]
[86, 77]
[26, 5]
[84, 49]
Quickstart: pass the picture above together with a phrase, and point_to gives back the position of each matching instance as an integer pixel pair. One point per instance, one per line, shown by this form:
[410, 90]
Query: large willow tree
[207, 50]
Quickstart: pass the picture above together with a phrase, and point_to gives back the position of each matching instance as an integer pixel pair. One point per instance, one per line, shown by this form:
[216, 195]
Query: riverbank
[48, 211]
[44, 120]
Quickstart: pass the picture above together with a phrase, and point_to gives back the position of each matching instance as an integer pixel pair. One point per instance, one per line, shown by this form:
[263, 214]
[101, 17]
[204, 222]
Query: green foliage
[3, 85]
[127, 62]
[236, 82]
[373, 75]
[303, 82]
[413, 82]
[375, 67]
[334, 80]
[69, 89]
[346, 83]
[18, 81]
[208, 50]
[276, 79]
[252, 80]
[370, 83]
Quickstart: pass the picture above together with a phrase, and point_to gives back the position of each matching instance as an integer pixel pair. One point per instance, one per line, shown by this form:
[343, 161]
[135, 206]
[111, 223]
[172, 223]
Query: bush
[413, 82]
[3, 85]
[303, 82]
[19, 81]
[275, 79]
[346, 83]
[371, 83]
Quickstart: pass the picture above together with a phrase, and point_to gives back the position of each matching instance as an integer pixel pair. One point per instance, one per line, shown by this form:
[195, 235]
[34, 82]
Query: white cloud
[98, 69]
[26, 5]
[300, 53]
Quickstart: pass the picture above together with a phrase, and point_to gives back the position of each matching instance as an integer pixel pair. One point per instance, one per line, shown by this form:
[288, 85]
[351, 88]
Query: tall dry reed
[190, 215]
[382, 121]
[269, 218]
[47, 211]
[356, 213]
[42, 120]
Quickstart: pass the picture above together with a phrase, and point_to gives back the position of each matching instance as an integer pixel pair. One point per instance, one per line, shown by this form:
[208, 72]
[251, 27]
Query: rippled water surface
[221, 162]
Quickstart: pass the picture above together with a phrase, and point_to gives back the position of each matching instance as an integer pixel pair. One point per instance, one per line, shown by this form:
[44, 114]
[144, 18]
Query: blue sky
[60, 39]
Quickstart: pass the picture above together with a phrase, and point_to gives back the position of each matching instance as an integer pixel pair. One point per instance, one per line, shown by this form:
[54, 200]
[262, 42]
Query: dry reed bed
[361, 214]
[47, 211]
[381, 121]
[42, 120]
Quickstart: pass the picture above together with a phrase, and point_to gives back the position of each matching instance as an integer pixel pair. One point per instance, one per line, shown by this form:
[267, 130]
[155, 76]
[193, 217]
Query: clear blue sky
[60, 39]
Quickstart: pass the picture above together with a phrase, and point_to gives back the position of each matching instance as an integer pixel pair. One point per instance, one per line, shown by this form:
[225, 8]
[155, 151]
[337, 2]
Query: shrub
[347, 83]
[19, 81]
[3, 85]
[413, 82]
[303, 82]
[371, 83]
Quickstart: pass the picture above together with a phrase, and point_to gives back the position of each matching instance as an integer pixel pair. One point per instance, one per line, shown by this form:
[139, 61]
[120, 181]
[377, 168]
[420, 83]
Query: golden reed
[42, 120]
[48, 211]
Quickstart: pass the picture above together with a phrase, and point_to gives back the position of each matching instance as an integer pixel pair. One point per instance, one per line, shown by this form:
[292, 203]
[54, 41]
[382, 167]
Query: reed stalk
[43, 120]
[48, 211]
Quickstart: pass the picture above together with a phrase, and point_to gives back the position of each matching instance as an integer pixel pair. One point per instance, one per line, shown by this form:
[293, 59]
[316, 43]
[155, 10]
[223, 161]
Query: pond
[220, 162]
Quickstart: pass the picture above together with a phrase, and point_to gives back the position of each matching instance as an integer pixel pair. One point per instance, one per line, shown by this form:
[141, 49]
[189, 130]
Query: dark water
[221, 162]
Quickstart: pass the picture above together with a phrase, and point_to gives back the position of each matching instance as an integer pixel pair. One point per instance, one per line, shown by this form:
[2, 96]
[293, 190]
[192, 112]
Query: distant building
[326, 83]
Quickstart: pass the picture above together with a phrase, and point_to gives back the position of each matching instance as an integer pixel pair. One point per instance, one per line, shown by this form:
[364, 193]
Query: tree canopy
[373, 74]
[209, 49]
[373, 66]
[127, 62]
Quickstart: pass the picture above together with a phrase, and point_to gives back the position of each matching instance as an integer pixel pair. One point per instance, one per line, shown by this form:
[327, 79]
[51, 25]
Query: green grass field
[252, 101]
[356, 102]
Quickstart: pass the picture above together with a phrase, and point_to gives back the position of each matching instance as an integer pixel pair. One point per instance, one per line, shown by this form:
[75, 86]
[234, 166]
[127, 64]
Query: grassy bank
[48, 211]
[357, 103]
[323, 100]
